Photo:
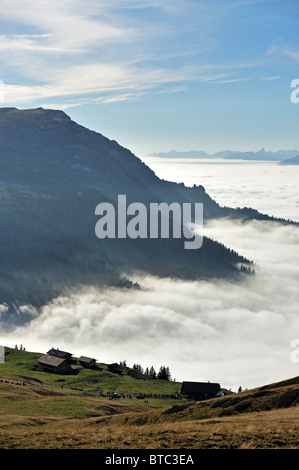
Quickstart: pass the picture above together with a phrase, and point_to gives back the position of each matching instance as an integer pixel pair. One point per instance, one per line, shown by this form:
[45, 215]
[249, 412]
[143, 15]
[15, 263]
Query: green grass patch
[62, 407]
[24, 365]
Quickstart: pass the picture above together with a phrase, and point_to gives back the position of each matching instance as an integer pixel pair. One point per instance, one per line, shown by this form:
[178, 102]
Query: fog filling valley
[232, 333]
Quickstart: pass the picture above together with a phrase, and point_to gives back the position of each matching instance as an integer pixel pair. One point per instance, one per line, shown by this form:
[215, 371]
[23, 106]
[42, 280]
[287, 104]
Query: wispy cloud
[26, 42]
[278, 49]
[177, 89]
[231, 80]
[266, 79]
[78, 48]
[291, 53]
[111, 47]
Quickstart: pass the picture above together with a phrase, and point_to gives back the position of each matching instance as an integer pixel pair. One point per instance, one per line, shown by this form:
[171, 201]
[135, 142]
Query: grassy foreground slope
[44, 415]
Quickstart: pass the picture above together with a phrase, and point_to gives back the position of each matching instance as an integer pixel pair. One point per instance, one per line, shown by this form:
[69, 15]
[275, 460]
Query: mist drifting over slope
[234, 333]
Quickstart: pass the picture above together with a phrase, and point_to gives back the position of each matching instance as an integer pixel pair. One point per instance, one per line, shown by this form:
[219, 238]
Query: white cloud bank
[237, 334]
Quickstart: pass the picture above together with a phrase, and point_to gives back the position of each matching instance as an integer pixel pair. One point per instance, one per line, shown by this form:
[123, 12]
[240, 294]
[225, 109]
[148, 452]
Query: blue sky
[157, 75]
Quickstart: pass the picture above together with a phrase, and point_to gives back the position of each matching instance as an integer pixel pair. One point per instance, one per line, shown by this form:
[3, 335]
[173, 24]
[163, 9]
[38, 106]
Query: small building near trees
[200, 390]
[61, 354]
[54, 364]
[88, 362]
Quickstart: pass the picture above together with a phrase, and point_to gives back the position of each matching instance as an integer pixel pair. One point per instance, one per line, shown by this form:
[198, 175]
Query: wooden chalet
[113, 367]
[54, 364]
[200, 390]
[61, 354]
[87, 361]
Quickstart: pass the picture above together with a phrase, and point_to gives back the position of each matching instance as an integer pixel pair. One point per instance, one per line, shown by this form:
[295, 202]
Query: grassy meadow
[39, 411]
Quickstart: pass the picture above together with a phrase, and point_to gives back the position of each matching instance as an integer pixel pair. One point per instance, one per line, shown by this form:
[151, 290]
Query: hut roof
[86, 359]
[52, 361]
[58, 353]
[200, 387]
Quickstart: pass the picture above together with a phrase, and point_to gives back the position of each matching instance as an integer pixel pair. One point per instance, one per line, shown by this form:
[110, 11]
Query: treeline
[163, 374]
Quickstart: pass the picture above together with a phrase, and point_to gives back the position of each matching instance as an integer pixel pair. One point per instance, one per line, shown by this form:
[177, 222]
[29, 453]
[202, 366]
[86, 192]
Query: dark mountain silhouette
[48, 153]
[53, 173]
[260, 155]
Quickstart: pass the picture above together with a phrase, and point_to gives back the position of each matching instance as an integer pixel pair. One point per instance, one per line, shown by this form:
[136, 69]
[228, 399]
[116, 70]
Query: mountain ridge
[53, 173]
[290, 161]
[260, 155]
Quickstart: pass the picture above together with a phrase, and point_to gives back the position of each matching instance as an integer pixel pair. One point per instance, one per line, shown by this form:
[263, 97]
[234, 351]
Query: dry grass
[40, 417]
[272, 429]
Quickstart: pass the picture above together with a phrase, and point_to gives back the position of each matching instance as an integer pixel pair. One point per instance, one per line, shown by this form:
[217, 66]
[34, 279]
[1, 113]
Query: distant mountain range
[53, 173]
[262, 155]
[291, 161]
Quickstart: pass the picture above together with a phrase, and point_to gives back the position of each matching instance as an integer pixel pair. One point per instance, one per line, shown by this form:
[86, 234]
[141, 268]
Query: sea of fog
[238, 334]
[266, 186]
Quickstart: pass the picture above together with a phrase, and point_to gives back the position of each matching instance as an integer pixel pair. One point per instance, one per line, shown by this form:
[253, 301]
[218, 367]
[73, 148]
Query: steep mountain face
[53, 173]
[46, 150]
[42, 147]
[291, 161]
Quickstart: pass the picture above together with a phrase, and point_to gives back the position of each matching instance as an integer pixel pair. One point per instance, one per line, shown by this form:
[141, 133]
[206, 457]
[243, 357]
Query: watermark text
[158, 220]
[2, 355]
[295, 92]
[294, 356]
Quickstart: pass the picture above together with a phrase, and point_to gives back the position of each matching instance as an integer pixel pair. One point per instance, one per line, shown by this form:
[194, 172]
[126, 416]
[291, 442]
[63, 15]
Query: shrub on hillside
[243, 405]
[226, 402]
[176, 409]
[288, 398]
